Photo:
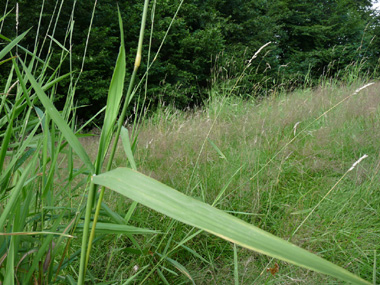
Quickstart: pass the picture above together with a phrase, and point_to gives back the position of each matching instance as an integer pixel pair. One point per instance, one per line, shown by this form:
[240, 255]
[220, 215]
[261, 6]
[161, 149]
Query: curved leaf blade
[59, 121]
[115, 94]
[176, 205]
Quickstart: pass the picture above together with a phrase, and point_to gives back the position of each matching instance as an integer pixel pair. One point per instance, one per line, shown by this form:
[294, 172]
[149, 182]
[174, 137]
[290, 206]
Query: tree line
[209, 41]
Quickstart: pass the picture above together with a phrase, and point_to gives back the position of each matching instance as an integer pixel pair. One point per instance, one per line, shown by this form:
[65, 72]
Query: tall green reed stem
[87, 244]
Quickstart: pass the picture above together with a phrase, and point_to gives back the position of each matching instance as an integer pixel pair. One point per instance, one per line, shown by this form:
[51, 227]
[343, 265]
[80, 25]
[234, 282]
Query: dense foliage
[208, 39]
[286, 166]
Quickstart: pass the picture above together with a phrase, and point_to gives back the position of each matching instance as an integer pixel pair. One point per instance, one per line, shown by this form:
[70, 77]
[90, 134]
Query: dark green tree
[309, 39]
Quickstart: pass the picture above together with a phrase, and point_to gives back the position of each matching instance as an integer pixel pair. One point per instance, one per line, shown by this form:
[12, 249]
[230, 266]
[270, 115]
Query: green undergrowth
[275, 183]
[299, 167]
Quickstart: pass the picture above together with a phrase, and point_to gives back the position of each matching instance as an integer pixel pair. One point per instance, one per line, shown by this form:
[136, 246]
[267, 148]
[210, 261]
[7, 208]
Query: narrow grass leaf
[108, 228]
[221, 154]
[25, 50]
[9, 277]
[42, 118]
[130, 212]
[11, 203]
[114, 97]
[52, 83]
[221, 192]
[19, 157]
[133, 277]
[70, 280]
[58, 43]
[161, 275]
[374, 267]
[12, 44]
[59, 121]
[24, 157]
[179, 266]
[236, 267]
[112, 110]
[176, 205]
[35, 233]
[3, 17]
[22, 83]
[127, 147]
[6, 141]
[113, 215]
[193, 252]
[7, 59]
[42, 250]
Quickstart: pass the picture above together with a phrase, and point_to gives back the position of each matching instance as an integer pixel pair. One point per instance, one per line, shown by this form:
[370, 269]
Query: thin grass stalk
[86, 246]
[111, 113]
[374, 267]
[141, 111]
[48, 28]
[236, 266]
[64, 52]
[83, 263]
[17, 22]
[22, 83]
[5, 12]
[70, 50]
[53, 32]
[146, 75]
[82, 268]
[38, 27]
[150, 45]
[120, 123]
[161, 45]
[9, 272]
[128, 151]
[87, 40]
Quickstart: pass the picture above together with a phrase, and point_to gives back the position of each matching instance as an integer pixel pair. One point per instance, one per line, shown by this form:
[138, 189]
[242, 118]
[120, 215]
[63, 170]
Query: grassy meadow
[280, 190]
[297, 189]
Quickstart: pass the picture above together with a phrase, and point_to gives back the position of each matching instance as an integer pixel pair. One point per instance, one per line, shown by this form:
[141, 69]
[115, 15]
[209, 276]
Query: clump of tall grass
[48, 222]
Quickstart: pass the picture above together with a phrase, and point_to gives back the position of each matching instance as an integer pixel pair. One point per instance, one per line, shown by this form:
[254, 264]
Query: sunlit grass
[282, 195]
[279, 164]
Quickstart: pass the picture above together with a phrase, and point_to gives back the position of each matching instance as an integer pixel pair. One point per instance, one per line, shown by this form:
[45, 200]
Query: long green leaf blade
[127, 147]
[12, 201]
[12, 44]
[25, 50]
[3, 17]
[59, 121]
[174, 204]
[115, 94]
